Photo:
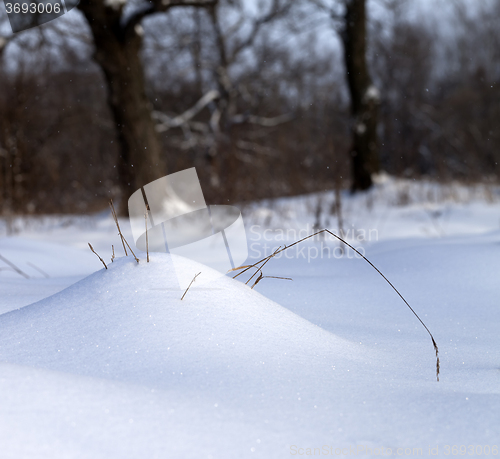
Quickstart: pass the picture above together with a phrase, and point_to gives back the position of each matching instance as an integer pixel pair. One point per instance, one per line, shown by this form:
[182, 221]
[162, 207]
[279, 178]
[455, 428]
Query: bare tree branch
[276, 10]
[262, 121]
[159, 6]
[330, 10]
[215, 120]
[255, 147]
[188, 115]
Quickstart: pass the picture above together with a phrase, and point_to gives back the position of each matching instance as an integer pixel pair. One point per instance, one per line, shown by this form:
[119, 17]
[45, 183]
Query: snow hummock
[223, 360]
[128, 323]
[115, 365]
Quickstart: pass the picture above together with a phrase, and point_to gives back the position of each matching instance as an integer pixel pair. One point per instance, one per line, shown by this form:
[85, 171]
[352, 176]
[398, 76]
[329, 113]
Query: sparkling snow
[98, 363]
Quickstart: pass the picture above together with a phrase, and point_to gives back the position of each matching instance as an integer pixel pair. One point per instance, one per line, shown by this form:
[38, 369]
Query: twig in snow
[194, 278]
[277, 277]
[115, 218]
[14, 267]
[38, 269]
[130, 248]
[124, 241]
[113, 256]
[146, 222]
[257, 280]
[268, 277]
[260, 269]
[102, 261]
[279, 250]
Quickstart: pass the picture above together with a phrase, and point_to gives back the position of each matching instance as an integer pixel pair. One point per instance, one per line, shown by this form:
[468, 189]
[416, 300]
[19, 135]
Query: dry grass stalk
[194, 278]
[43, 273]
[260, 269]
[269, 277]
[115, 218]
[14, 267]
[124, 241]
[279, 250]
[146, 222]
[256, 280]
[113, 255]
[102, 261]
[130, 248]
[240, 267]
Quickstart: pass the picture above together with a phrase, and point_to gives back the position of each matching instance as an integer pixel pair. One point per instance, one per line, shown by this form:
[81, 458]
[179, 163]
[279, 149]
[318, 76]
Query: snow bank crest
[128, 323]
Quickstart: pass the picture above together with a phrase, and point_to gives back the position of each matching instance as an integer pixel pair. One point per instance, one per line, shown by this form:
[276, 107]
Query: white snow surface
[110, 363]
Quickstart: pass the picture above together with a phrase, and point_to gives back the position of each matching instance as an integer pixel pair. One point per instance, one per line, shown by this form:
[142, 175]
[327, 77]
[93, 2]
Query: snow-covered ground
[98, 363]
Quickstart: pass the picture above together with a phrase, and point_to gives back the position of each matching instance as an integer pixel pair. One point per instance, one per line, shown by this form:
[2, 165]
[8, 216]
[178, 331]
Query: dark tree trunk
[117, 53]
[364, 97]
[224, 106]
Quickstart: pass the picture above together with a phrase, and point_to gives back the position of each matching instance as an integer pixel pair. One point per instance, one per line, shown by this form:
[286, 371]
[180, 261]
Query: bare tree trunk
[224, 109]
[364, 97]
[117, 53]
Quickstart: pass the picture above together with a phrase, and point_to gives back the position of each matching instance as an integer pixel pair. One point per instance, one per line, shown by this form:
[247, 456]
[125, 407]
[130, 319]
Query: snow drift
[128, 323]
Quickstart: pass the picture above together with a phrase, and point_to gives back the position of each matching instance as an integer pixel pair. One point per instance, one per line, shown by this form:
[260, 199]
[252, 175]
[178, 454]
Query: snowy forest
[255, 94]
[238, 229]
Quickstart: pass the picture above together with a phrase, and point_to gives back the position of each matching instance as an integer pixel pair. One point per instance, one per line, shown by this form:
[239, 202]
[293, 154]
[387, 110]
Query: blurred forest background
[254, 93]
